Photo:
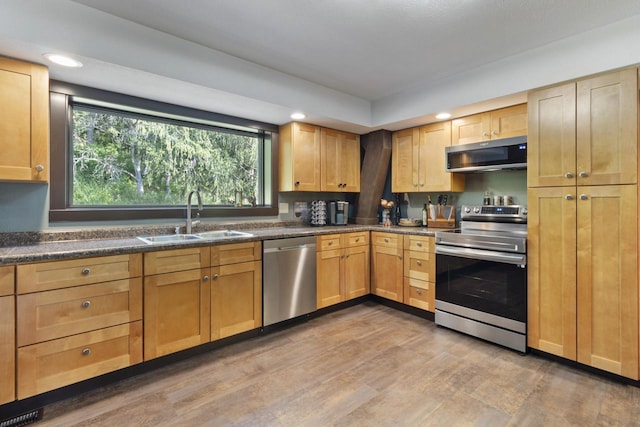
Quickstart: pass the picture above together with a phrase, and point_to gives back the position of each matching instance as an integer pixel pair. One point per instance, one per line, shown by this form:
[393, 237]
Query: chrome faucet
[190, 222]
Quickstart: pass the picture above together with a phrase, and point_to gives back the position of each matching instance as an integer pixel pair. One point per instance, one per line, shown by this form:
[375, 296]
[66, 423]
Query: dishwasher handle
[289, 248]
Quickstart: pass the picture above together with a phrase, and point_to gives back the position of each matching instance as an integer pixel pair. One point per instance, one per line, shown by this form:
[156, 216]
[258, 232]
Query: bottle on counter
[424, 216]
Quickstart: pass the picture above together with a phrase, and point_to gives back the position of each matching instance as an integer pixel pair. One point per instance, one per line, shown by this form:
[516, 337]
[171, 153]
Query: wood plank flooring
[367, 365]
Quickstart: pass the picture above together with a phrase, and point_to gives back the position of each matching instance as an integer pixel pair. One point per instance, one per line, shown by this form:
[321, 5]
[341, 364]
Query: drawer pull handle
[86, 351]
[419, 262]
[86, 304]
[86, 271]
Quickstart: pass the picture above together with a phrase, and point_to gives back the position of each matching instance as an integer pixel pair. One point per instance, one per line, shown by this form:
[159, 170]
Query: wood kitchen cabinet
[77, 319]
[340, 161]
[585, 132]
[420, 272]
[387, 265]
[7, 334]
[497, 124]
[299, 153]
[418, 160]
[177, 300]
[236, 289]
[343, 271]
[583, 278]
[24, 128]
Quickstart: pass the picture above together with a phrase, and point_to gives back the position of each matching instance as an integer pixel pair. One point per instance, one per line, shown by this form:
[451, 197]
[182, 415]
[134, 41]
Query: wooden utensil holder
[442, 220]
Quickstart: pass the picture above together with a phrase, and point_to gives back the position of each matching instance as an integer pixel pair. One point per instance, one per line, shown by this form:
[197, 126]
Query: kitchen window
[120, 157]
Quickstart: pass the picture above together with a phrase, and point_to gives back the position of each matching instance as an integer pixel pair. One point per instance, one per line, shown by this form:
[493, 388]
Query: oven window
[487, 286]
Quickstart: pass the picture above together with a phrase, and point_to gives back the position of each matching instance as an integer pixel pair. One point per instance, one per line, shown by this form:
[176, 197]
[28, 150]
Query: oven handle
[479, 254]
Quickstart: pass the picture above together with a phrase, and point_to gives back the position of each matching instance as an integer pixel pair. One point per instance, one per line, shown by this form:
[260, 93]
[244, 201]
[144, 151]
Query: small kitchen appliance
[338, 213]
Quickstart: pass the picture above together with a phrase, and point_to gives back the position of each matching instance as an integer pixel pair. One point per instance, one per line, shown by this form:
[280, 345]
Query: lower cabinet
[342, 267]
[53, 364]
[387, 265]
[177, 310]
[420, 272]
[7, 349]
[236, 298]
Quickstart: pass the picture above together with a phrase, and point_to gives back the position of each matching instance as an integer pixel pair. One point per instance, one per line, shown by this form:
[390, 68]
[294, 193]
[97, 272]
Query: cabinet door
[299, 157]
[607, 124]
[386, 272]
[236, 299]
[509, 122]
[24, 127]
[176, 311]
[356, 272]
[432, 176]
[466, 130]
[330, 160]
[405, 160]
[329, 278]
[551, 142]
[350, 162]
[608, 279]
[551, 254]
[7, 349]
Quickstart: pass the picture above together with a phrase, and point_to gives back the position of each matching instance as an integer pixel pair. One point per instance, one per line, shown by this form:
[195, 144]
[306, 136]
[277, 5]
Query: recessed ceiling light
[65, 61]
[442, 116]
[298, 116]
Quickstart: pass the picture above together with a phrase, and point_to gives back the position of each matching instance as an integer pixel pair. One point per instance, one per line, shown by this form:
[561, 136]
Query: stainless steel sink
[222, 234]
[168, 238]
[205, 235]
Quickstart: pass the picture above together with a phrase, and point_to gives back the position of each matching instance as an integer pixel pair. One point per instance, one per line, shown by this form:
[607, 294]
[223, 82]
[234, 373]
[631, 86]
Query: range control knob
[476, 210]
[467, 210]
[524, 211]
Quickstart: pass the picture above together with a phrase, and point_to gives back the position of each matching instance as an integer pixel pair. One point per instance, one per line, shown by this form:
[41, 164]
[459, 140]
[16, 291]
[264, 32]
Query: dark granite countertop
[86, 244]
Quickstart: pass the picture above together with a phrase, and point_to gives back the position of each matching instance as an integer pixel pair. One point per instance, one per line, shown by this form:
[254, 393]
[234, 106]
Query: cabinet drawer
[234, 253]
[45, 276]
[7, 280]
[48, 315]
[419, 294]
[53, 364]
[329, 242]
[420, 265]
[420, 243]
[176, 260]
[355, 239]
[386, 239]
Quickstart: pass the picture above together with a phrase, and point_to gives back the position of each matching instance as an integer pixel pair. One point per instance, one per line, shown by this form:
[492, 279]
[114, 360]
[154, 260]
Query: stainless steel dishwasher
[289, 278]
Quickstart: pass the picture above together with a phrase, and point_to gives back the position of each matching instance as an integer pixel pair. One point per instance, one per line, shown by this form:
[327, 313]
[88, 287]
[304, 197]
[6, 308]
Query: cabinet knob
[421, 184]
[86, 304]
[495, 132]
[86, 351]
[205, 279]
[583, 174]
[485, 134]
[85, 271]
[568, 175]
[330, 242]
[215, 277]
[419, 244]
[399, 256]
[357, 239]
[419, 262]
[584, 197]
[419, 291]
[297, 183]
[39, 168]
[568, 197]
[386, 240]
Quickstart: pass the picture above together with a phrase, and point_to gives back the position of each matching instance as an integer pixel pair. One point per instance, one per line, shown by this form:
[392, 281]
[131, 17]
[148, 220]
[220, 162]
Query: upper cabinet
[497, 124]
[418, 160]
[340, 161]
[584, 133]
[24, 127]
[318, 159]
[299, 157]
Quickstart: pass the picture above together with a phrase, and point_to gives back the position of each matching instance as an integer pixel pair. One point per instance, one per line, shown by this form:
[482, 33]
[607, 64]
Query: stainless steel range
[481, 275]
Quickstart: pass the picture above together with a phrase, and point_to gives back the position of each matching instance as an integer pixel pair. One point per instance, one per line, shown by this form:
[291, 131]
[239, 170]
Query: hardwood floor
[367, 365]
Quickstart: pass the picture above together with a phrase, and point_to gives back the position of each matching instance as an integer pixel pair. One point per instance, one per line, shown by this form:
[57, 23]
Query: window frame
[61, 94]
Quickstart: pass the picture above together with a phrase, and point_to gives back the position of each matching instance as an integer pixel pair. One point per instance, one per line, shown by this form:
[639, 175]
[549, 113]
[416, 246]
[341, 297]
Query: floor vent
[23, 420]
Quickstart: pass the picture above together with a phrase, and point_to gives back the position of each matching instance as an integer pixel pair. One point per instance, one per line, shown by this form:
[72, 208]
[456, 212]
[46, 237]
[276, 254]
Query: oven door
[485, 281]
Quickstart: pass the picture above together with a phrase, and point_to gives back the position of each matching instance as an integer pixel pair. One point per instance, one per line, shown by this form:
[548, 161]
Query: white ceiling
[351, 64]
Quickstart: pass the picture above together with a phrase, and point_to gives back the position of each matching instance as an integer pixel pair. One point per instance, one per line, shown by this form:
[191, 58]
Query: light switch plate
[283, 208]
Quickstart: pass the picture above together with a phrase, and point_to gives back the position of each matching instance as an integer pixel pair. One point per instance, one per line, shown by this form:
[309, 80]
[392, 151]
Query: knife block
[445, 216]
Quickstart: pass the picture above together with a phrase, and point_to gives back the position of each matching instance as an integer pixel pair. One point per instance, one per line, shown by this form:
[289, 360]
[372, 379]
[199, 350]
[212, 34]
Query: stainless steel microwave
[508, 153]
